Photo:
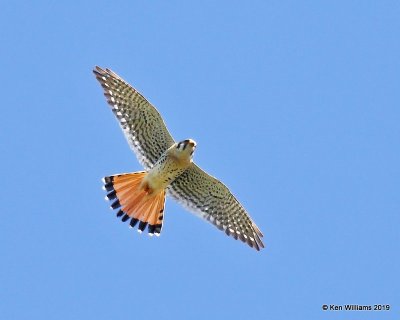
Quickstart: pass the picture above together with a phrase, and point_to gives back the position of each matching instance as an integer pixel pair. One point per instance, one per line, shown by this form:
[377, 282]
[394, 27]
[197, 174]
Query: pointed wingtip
[97, 69]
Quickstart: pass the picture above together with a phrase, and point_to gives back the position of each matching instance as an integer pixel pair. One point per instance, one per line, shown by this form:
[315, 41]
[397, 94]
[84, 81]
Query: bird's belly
[163, 173]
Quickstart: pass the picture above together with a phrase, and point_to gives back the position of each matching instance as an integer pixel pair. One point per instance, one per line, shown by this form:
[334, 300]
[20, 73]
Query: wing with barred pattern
[140, 121]
[211, 199]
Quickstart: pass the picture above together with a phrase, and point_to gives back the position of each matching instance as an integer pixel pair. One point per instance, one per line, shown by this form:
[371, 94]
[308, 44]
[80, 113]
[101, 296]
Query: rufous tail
[135, 201]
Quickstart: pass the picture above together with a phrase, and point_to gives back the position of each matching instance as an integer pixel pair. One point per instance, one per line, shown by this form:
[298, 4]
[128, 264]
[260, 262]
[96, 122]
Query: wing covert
[211, 199]
[140, 121]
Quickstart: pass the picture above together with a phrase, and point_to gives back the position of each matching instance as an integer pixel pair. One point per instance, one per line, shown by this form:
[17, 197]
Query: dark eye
[179, 145]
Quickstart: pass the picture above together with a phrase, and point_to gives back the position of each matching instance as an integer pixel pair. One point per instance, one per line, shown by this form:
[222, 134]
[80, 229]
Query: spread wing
[140, 121]
[212, 200]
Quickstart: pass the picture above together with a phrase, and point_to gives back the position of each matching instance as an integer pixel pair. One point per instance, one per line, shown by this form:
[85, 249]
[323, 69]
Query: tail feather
[142, 226]
[108, 186]
[111, 195]
[133, 222]
[154, 218]
[134, 202]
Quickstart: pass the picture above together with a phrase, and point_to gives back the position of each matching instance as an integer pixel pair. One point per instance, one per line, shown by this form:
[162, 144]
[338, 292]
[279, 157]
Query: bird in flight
[168, 169]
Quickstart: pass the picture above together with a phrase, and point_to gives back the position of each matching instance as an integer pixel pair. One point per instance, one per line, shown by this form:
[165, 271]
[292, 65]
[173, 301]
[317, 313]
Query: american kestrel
[169, 169]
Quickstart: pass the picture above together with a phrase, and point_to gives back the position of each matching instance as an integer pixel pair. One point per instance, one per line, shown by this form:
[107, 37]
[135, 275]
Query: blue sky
[293, 104]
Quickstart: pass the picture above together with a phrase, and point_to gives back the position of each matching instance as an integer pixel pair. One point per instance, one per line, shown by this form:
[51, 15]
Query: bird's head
[184, 149]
